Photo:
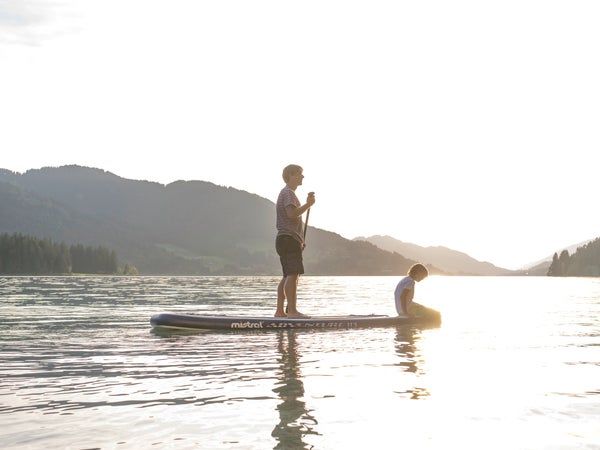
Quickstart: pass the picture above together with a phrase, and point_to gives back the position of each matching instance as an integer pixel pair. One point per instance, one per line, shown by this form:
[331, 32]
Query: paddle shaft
[310, 194]
[306, 223]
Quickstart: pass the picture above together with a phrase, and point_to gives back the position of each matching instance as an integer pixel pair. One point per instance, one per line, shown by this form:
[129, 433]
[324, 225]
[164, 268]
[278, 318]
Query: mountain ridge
[446, 259]
[196, 227]
[185, 227]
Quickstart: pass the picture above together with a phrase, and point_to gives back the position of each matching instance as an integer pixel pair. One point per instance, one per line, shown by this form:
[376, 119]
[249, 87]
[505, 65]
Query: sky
[472, 125]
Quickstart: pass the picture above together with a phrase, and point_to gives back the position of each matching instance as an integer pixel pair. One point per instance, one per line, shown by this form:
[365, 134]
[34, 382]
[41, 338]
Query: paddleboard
[188, 321]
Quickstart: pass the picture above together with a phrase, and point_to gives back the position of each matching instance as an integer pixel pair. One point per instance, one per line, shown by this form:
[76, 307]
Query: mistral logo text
[247, 324]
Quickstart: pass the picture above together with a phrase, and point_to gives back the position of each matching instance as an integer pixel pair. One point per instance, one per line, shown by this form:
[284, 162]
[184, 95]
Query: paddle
[307, 216]
[306, 223]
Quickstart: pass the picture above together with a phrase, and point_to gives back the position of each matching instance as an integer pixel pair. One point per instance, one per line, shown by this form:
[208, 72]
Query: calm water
[515, 365]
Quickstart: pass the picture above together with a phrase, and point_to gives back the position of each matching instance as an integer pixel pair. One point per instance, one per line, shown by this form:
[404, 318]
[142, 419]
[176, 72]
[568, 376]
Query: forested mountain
[448, 260]
[20, 254]
[585, 262]
[191, 227]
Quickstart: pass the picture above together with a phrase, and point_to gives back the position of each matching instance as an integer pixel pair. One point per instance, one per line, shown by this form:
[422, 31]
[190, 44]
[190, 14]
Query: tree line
[22, 254]
[585, 262]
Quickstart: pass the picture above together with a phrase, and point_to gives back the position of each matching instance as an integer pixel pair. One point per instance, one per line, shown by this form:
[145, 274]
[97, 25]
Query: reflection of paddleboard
[427, 317]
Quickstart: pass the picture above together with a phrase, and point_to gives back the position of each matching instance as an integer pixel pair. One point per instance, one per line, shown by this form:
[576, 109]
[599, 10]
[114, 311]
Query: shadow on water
[407, 350]
[296, 420]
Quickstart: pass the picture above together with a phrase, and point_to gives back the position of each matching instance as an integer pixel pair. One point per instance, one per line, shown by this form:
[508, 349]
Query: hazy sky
[468, 124]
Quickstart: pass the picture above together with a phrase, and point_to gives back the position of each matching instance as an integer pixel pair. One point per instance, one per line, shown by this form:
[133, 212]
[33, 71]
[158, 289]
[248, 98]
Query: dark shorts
[290, 255]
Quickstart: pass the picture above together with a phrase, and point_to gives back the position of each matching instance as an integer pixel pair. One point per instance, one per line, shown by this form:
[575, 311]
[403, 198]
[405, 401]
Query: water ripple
[81, 364]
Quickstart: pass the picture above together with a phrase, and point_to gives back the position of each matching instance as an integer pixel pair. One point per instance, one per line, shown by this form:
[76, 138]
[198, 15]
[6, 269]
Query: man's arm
[294, 211]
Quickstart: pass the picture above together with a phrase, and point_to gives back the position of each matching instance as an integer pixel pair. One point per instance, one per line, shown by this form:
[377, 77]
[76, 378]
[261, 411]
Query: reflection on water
[515, 364]
[296, 421]
[408, 353]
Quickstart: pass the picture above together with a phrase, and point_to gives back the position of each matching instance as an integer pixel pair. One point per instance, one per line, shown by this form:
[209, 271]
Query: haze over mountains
[193, 227]
[448, 260]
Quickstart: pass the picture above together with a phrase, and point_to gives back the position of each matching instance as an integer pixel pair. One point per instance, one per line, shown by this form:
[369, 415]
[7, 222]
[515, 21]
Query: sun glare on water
[497, 350]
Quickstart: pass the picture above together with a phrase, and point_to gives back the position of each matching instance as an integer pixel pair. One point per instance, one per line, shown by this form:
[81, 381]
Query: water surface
[515, 365]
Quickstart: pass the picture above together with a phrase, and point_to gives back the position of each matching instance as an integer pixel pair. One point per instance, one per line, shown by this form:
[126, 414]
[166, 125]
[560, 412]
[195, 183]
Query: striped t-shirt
[286, 225]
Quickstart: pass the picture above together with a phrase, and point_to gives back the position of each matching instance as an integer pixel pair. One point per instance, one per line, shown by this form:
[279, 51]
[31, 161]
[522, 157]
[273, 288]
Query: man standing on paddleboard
[290, 240]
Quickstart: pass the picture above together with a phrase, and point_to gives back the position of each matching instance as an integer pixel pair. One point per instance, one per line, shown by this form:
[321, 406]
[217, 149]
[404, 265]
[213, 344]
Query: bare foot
[278, 314]
[297, 315]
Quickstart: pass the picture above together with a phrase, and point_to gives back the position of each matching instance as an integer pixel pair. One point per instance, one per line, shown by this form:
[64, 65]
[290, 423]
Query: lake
[514, 365]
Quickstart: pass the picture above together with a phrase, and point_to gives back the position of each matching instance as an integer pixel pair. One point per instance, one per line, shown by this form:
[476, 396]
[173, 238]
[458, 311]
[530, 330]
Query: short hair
[290, 170]
[417, 268]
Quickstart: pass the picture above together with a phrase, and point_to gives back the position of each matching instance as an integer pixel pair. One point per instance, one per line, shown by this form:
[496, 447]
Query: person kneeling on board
[405, 290]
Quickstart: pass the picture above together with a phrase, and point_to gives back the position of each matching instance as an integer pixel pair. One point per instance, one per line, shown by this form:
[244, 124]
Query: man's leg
[290, 288]
[280, 299]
